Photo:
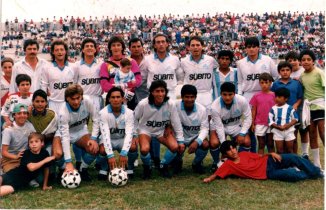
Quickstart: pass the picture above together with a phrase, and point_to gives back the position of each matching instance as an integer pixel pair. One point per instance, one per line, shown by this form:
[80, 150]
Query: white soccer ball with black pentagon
[118, 177]
[71, 179]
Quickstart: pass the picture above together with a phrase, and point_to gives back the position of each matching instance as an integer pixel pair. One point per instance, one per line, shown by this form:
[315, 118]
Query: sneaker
[84, 175]
[305, 156]
[102, 177]
[136, 163]
[78, 164]
[164, 170]
[156, 162]
[33, 183]
[130, 173]
[198, 168]
[147, 172]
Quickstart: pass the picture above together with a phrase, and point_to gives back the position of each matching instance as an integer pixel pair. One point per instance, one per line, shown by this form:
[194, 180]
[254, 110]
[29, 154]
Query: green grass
[185, 191]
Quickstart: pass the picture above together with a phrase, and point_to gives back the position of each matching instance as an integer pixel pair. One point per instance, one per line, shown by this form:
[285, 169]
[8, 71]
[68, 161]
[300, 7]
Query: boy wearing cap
[15, 138]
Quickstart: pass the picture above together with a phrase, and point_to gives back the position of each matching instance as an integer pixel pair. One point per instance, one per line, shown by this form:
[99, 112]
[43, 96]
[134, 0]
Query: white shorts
[262, 130]
[287, 135]
[205, 99]
[56, 106]
[76, 135]
[156, 135]
[116, 144]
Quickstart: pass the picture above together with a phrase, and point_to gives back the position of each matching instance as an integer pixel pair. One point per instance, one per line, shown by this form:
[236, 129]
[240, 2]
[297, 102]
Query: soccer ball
[118, 177]
[71, 179]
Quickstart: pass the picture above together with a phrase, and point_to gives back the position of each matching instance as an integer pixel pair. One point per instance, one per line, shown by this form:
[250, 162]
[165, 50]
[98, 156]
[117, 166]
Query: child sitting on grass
[33, 161]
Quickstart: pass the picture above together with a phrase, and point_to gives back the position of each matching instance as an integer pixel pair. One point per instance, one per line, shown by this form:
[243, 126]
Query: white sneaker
[34, 183]
[136, 163]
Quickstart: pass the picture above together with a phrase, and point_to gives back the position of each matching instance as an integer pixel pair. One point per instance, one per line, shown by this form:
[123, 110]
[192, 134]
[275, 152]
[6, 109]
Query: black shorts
[317, 115]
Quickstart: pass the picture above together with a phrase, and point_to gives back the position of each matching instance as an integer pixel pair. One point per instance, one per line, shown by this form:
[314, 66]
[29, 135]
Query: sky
[36, 9]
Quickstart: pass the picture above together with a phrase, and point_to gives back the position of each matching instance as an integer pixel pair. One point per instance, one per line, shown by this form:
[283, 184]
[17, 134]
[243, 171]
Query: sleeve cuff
[123, 153]
[242, 134]
[110, 156]
[94, 138]
[68, 161]
[181, 141]
[199, 141]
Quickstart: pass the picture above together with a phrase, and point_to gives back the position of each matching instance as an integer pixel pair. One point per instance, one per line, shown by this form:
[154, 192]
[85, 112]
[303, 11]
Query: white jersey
[219, 78]
[142, 91]
[118, 128]
[296, 74]
[56, 80]
[195, 124]
[88, 77]
[168, 70]
[4, 88]
[72, 121]
[199, 74]
[152, 120]
[16, 137]
[233, 121]
[22, 67]
[13, 100]
[249, 72]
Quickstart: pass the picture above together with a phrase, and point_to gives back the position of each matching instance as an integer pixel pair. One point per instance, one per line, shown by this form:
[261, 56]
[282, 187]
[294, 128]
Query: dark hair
[308, 52]
[40, 93]
[72, 90]
[115, 39]
[283, 64]
[158, 35]
[85, 41]
[22, 78]
[266, 77]
[188, 90]
[28, 42]
[252, 41]
[227, 53]
[291, 55]
[197, 38]
[36, 135]
[59, 42]
[154, 85]
[228, 87]
[125, 62]
[113, 89]
[282, 92]
[7, 59]
[133, 40]
[226, 146]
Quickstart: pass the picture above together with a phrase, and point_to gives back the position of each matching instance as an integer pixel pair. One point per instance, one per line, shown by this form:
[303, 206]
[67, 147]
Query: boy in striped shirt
[282, 118]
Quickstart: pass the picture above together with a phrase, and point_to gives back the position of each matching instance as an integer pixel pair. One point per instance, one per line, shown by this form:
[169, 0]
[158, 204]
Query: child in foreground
[34, 160]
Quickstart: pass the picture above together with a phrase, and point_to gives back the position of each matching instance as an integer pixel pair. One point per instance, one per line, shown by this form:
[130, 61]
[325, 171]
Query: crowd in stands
[278, 32]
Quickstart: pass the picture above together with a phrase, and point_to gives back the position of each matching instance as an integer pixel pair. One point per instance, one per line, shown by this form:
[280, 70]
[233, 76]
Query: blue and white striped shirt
[219, 78]
[281, 115]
